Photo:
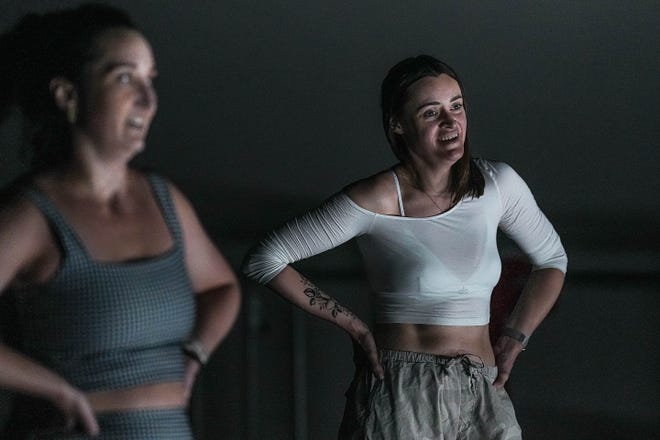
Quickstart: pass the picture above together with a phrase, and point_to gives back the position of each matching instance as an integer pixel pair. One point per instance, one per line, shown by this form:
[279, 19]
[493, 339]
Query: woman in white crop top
[426, 229]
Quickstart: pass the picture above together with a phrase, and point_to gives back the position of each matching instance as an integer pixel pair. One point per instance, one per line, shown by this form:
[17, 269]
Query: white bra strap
[398, 193]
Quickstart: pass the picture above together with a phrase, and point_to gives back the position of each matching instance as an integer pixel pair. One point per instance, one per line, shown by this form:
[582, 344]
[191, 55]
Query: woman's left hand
[506, 352]
[189, 376]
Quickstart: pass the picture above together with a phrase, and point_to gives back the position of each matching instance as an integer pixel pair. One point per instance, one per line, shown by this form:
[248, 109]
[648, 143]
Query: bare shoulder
[181, 202]
[205, 263]
[375, 193]
[193, 230]
[25, 238]
[176, 193]
[18, 213]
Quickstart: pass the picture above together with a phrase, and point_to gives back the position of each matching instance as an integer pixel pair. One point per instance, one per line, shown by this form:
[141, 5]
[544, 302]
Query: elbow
[235, 299]
[556, 259]
[231, 298]
[261, 268]
[559, 264]
[560, 261]
[248, 267]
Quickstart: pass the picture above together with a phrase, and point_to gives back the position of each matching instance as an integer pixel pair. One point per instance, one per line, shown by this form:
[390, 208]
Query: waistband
[468, 362]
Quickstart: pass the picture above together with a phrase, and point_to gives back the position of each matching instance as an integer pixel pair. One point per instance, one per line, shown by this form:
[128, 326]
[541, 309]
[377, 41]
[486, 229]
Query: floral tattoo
[325, 302]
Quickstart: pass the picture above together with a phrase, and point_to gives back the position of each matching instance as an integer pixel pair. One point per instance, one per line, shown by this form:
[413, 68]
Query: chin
[137, 145]
[133, 149]
[454, 153]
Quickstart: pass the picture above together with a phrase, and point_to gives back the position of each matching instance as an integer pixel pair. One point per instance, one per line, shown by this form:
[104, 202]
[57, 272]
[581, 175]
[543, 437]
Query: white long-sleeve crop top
[433, 270]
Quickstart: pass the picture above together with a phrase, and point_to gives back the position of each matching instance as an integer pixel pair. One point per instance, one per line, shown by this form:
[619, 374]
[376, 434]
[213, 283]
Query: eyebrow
[112, 65]
[426, 104]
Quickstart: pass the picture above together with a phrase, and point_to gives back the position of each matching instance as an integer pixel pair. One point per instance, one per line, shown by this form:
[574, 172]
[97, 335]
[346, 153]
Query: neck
[94, 171]
[432, 180]
[100, 182]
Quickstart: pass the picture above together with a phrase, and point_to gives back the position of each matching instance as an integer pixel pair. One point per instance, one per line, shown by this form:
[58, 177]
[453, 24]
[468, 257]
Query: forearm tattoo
[324, 301]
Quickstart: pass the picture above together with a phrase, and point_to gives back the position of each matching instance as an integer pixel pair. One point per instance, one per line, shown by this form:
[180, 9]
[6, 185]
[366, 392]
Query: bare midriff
[436, 339]
[159, 395]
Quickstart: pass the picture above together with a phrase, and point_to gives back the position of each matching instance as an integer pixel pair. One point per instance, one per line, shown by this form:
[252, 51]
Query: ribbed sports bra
[402, 211]
[110, 325]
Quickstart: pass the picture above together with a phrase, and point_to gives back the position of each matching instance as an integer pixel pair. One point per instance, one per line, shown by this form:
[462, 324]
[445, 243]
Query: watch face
[196, 350]
[516, 335]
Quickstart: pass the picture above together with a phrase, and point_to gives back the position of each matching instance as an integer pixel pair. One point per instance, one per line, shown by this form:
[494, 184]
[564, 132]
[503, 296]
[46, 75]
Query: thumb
[501, 380]
[378, 370]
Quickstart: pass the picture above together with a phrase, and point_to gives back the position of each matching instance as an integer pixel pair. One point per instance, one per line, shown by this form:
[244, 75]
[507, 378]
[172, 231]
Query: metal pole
[299, 337]
[254, 325]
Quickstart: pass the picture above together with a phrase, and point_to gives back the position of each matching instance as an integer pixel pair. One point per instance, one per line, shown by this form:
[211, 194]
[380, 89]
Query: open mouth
[449, 137]
[136, 122]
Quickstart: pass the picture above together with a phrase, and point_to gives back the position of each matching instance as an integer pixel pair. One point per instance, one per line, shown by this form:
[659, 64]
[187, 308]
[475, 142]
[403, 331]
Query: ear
[396, 127]
[64, 93]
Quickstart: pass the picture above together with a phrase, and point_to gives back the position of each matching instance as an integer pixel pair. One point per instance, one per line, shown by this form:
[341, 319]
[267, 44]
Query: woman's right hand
[23, 375]
[363, 337]
[77, 411]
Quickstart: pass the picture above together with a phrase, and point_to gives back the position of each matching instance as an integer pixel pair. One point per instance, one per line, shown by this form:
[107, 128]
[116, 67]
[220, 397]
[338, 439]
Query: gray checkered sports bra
[109, 325]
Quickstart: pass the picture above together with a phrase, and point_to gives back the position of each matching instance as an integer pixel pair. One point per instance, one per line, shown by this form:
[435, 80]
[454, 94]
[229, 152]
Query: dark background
[268, 107]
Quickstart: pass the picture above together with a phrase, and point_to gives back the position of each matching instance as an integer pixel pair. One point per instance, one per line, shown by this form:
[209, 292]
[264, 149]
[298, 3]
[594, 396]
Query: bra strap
[398, 193]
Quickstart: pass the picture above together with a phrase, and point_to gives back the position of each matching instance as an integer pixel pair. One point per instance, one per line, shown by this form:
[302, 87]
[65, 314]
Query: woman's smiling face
[432, 121]
[118, 100]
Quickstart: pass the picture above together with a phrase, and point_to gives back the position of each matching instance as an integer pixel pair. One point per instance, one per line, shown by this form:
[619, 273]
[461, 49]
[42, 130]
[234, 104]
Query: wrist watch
[194, 349]
[516, 335]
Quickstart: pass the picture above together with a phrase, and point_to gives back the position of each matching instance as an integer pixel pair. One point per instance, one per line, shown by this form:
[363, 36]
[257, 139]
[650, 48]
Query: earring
[72, 114]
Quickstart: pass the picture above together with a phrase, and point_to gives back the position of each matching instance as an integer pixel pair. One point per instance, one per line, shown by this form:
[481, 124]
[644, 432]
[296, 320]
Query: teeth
[136, 122]
[449, 137]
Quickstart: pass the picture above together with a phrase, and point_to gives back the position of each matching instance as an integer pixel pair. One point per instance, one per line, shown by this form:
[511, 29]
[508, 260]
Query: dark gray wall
[267, 107]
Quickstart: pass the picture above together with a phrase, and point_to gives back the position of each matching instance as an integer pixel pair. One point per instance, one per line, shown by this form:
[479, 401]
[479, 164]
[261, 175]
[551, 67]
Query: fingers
[376, 367]
[506, 352]
[77, 412]
[88, 420]
[504, 364]
[501, 379]
[192, 368]
[365, 339]
[83, 416]
[368, 344]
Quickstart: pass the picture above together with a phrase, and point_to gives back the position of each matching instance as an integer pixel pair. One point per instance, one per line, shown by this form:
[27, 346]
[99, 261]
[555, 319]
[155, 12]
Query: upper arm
[24, 240]
[526, 224]
[376, 193]
[331, 224]
[206, 266]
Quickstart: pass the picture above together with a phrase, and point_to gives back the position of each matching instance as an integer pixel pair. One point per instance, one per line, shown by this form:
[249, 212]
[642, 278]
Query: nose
[147, 96]
[446, 119]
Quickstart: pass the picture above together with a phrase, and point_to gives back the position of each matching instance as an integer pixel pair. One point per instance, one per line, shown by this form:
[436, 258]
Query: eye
[457, 106]
[430, 113]
[124, 78]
